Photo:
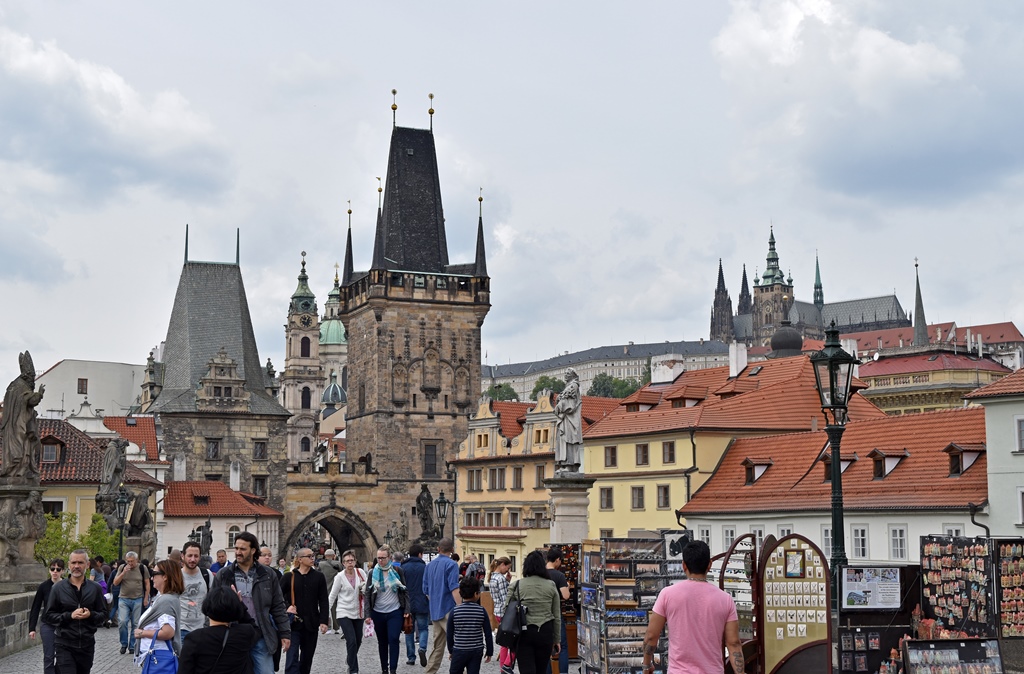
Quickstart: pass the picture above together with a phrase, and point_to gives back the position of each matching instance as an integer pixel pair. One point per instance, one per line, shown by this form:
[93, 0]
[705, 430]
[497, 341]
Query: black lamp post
[388, 539]
[441, 506]
[122, 512]
[833, 373]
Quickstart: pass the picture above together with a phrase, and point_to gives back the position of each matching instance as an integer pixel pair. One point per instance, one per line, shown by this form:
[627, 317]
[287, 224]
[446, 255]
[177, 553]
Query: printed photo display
[871, 588]
[795, 593]
[955, 579]
[1011, 589]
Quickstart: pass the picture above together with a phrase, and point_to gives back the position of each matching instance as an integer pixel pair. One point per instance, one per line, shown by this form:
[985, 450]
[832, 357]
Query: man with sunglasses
[75, 609]
[38, 604]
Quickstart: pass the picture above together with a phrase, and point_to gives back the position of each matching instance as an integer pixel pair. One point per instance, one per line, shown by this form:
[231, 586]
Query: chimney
[737, 358]
[850, 347]
[666, 368]
[981, 351]
[938, 334]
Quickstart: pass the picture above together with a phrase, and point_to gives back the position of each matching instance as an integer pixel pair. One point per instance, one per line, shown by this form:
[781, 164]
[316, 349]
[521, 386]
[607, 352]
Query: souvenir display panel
[1011, 587]
[957, 584]
[953, 656]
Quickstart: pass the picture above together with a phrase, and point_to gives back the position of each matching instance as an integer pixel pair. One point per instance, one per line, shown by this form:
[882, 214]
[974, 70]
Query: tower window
[430, 459]
[259, 449]
[306, 397]
[259, 485]
[304, 347]
[304, 444]
[212, 449]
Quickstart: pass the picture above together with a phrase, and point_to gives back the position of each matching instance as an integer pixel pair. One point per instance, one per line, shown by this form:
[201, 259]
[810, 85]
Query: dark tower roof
[481, 255]
[772, 273]
[819, 293]
[346, 274]
[746, 302]
[787, 341]
[721, 278]
[210, 313]
[303, 299]
[410, 232]
[920, 323]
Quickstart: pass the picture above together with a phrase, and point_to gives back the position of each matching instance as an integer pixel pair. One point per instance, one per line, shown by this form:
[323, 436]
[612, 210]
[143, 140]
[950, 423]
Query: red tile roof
[778, 395]
[928, 362]
[511, 416]
[991, 333]
[795, 481]
[1010, 385]
[594, 409]
[141, 433]
[81, 461]
[212, 499]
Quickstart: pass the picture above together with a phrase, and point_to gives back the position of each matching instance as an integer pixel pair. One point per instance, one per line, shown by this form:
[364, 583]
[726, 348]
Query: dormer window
[201, 500]
[826, 461]
[633, 407]
[962, 456]
[51, 451]
[886, 460]
[755, 468]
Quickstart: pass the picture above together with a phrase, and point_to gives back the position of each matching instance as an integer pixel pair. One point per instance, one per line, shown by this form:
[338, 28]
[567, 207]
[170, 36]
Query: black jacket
[311, 604]
[64, 599]
[39, 603]
[201, 648]
[371, 592]
[266, 600]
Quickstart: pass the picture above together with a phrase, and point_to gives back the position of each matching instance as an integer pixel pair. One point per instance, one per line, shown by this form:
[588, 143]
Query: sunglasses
[56, 568]
[157, 573]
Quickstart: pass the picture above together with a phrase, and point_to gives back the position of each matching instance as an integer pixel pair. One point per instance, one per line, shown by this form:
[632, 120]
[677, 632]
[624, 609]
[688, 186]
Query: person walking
[537, 593]
[330, 566]
[266, 557]
[38, 604]
[554, 564]
[197, 584]
[700, 617]
[158, 638]
[305, 592]
[414, 568]
[469, 630]
[347, 597]
[441, 585]
[499, 586]
[224, 646]
[387, 604]
[260, 592]
[75, 609]
[222, 561]
[115, 594]
[133, 579]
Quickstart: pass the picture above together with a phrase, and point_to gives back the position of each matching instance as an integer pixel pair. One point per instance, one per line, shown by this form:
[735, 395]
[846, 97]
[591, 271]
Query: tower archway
[347, 530]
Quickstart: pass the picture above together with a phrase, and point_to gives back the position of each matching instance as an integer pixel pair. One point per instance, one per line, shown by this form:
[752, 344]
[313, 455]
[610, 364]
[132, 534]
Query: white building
[110, 388]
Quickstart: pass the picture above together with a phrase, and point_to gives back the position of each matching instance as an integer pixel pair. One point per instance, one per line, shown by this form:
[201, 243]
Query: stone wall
[14, 610]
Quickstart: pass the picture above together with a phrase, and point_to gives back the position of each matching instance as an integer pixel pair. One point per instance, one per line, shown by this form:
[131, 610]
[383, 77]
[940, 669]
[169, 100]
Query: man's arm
[732, 642]
[277, 612]
[119, 575]
[655, 626]
[453, 584]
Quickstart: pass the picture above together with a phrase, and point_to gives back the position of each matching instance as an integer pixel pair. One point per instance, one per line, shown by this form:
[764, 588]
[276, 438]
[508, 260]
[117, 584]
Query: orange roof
[510, 416]
[141, 432]
[991, 333]
[926, 362]
[1010, 385]
[594, 409]
[212, 499]
[778, 395]
[795, 480]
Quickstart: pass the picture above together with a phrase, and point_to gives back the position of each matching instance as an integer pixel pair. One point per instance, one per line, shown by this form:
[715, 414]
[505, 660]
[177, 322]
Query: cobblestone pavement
[330, 658]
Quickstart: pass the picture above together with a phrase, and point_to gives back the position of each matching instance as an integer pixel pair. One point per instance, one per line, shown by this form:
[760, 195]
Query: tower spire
[238, 247]
[819, 294]
[746, 302]
[721, 277]
[186, 242]
[772, 273]
[431, 112]
[920, 323]
[394, 107]
[346, 277]
[480, 270]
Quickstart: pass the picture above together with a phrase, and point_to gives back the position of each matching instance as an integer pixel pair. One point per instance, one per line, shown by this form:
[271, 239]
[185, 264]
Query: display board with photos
[952, 656]
[1010, 588]
[957, 584]
[795, 607]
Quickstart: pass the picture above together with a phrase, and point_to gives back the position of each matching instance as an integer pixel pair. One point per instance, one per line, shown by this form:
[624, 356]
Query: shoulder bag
[513, 622]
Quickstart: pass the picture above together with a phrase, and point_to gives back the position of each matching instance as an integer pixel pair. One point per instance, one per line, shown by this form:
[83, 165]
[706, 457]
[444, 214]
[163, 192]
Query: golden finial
[481, 200]
[379, 191]
[336, 281]
[350, 214]
[394, 107]
[431, 111]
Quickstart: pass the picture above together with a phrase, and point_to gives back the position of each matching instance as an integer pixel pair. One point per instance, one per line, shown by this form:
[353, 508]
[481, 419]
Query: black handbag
[513, 622]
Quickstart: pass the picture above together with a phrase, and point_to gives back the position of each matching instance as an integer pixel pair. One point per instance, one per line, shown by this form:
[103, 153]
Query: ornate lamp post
[833, 373]
[441, 506]
[123, 499]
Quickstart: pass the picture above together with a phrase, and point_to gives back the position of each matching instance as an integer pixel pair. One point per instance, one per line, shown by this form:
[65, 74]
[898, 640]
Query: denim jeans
[388, 627]
[49, 655]
[262, 659]
[128, 611]
[422, 628]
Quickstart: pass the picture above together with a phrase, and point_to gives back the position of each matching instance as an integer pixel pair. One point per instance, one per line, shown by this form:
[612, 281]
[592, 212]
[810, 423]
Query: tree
[549, 383]
[607, 386]
[503, 392]
[99, 540]
[59, 539]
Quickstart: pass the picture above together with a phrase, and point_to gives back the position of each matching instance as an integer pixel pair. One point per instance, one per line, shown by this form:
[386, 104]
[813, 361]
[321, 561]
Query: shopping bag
[368, 630]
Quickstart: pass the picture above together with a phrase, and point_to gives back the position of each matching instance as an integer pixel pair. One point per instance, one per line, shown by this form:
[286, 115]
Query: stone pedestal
[21, 524]
[570, 501]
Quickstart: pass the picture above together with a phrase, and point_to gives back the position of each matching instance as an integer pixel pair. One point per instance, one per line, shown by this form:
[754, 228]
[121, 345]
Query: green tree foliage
[546, 382]
[99, 540]
[607, 386]
[59, 539]
[645, 378]
[503, 392]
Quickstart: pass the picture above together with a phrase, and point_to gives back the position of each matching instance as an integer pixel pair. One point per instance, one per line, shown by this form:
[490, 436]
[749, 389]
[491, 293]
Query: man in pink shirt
[700, 618]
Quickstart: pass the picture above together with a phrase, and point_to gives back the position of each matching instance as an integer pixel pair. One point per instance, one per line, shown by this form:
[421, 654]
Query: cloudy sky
[622, 150]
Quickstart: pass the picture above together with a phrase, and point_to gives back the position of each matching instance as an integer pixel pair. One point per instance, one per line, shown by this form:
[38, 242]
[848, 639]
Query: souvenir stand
[876, 605]
[620, 580]
[735, 572]
[571, 606]
[953, 656]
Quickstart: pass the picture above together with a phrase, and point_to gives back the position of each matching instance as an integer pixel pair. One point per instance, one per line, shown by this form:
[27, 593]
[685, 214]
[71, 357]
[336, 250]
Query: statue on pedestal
[424, 510]
[115, 461]
[569, 438]
[19, 427]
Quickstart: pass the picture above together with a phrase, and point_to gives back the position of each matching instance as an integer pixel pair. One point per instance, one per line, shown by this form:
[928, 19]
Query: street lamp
[388, 539]
[122, 512]
[833, 374]
[441, 505]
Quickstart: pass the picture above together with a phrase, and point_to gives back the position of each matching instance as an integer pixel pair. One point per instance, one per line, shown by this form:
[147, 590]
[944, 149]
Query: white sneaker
[329, 632]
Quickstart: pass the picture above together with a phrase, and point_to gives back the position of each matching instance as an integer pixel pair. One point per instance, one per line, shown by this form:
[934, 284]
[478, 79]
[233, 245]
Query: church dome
[787, 341]
[332, 331]
[334, 395]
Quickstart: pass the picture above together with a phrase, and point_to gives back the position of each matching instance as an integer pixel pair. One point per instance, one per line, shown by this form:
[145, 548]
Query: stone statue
[19, 426]
[424, 510]
[139, 520]
[205, 538]
[115, 462]
[569, 439]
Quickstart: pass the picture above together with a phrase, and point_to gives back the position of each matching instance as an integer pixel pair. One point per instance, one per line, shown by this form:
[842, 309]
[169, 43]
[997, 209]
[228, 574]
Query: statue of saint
[20, 427]
[425, 510]
[206, 538]
[569, 438]
[114, 463]
[139, 520]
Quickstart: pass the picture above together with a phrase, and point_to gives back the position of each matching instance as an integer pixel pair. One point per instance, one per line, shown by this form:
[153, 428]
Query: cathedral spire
[721, 311]
[920, 323]
[303, 299]
[819, 294]
[346, 277]
[746, 302]
[481, 255]
[721, 277]
[378, 244]
[772, 273]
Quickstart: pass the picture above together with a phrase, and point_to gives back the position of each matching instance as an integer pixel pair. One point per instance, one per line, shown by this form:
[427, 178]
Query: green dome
[332, 331]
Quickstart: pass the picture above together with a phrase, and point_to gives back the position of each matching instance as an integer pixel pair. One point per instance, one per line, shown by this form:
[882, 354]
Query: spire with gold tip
[480, 269]
[394, 107]
[431, 112]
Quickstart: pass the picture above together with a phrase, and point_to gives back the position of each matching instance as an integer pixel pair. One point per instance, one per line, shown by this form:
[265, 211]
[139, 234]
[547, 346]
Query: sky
[622, 149]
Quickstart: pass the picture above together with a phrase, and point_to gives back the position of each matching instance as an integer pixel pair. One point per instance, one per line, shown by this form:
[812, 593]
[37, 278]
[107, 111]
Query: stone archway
[348, 530]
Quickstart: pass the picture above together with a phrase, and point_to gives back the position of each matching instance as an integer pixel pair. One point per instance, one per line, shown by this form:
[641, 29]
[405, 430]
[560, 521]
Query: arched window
[233, 532]
[306, 396]
[304, 444]
[304, 347]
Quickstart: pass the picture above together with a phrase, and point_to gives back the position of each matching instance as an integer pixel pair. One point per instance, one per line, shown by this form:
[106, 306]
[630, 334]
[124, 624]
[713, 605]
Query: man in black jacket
[258, 589]
[75, 608]
[305, 590]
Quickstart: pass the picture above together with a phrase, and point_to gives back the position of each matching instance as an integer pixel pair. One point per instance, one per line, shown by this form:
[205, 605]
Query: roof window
[201, 500]
[885, 461]
[755, 370]
[962, 456]
[755, 468]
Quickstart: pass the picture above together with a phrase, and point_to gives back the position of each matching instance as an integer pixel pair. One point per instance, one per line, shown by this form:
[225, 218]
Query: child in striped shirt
[469, 629]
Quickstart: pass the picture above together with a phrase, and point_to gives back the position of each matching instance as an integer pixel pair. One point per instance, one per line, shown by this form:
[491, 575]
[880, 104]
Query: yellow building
[501, 507]
[664, 441]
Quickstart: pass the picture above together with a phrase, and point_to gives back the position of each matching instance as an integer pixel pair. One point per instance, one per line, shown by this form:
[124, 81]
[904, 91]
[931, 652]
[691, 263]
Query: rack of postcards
[570, 607]
[620, 581]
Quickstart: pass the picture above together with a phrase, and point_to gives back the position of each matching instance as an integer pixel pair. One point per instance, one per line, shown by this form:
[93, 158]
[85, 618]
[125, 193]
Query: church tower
[772, 297]
[819, 293]
[413, 325]
[721, 311]
[302, 379]
[746, 303]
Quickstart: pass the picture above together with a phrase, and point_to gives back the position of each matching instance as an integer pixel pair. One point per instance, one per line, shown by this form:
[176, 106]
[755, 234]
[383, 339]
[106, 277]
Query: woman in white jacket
[348, 590]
